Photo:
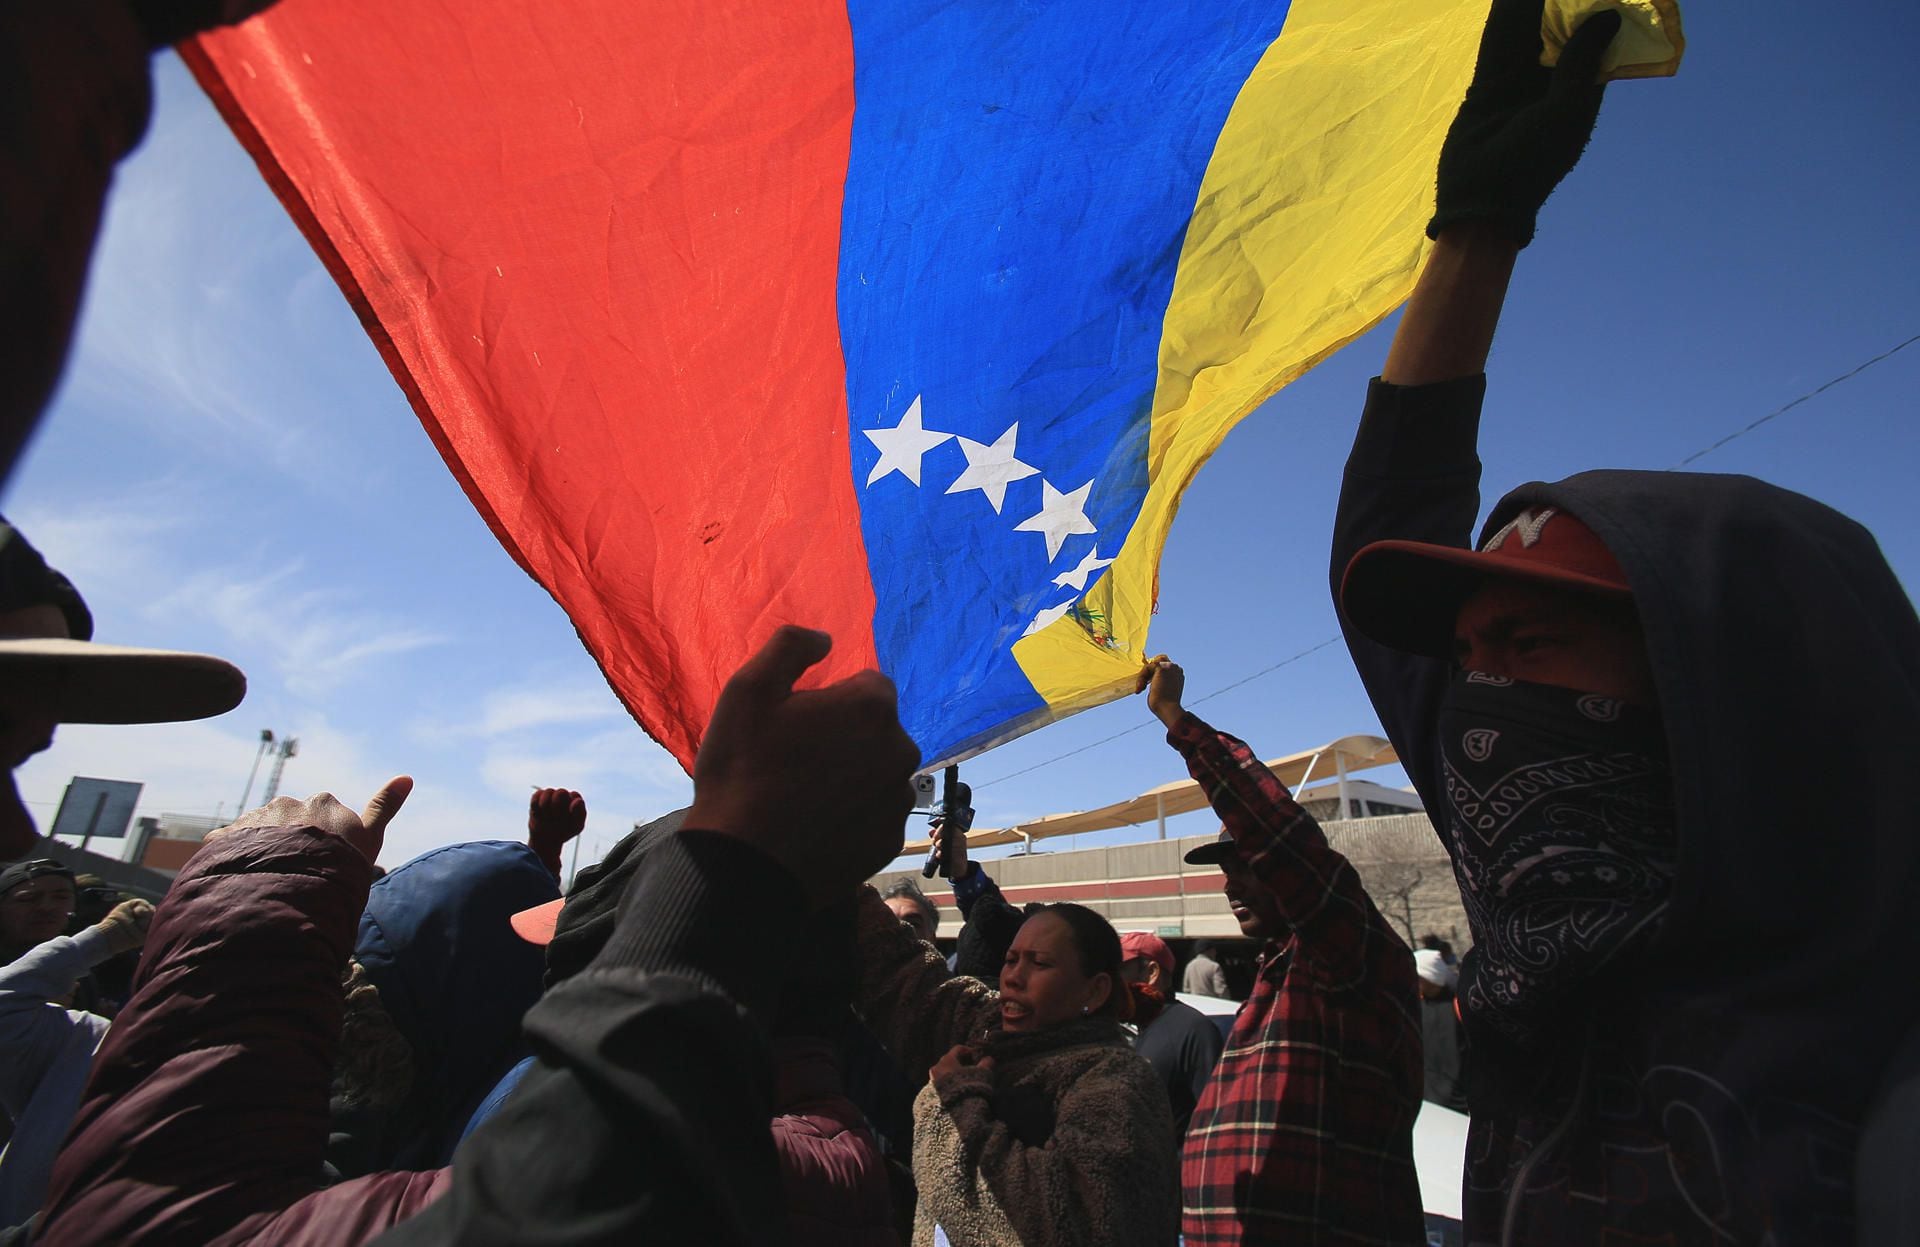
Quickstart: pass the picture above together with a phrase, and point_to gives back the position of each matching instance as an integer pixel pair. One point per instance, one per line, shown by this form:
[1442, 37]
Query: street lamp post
[288, 748]
[266, 742]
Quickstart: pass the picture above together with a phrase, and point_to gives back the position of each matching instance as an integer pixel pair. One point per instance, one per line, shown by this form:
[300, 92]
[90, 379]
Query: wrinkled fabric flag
[906, 320]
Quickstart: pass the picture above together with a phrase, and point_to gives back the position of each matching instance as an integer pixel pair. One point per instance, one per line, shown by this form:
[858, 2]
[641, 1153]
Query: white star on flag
[1048, 616]
[902, 446]
[1060, 516]
[1077, 578]
[991, 468]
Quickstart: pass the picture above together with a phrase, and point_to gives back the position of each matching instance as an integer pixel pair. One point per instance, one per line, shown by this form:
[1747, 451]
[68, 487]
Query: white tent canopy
[1156, 805]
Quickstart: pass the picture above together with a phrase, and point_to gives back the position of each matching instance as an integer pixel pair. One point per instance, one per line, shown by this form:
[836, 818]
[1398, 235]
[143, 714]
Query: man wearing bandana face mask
[1554, 771]
[1613, 707]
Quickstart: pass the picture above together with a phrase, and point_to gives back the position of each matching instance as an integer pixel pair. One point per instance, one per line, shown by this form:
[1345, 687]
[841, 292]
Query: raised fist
[554, 816]
[125, 926]
[821, 780]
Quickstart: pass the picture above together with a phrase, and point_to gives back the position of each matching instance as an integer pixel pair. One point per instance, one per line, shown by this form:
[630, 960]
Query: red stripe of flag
[596, 244]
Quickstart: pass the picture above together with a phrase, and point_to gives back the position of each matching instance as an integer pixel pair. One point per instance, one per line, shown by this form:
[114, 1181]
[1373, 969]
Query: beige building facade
[1145, 886]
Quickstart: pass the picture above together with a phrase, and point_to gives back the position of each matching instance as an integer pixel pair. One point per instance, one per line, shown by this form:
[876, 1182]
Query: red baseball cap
[1406, 594]
[1152, 947]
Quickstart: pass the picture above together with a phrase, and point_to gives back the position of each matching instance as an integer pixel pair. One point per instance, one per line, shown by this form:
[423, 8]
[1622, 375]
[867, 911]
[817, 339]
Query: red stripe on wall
[597, 244]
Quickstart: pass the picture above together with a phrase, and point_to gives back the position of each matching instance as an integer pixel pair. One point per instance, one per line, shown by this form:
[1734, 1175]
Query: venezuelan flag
[903, 319]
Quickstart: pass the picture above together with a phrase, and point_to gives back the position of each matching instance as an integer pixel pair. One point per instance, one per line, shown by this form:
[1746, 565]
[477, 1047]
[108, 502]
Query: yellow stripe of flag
[1308, 230]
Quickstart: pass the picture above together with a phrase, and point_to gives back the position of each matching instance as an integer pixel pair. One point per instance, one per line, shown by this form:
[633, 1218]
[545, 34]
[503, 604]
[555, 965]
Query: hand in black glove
[167, 22]
[1522, 126]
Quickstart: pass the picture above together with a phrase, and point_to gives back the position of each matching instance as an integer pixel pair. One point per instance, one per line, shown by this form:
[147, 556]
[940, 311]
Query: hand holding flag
[1522, 127]
[1165, 683]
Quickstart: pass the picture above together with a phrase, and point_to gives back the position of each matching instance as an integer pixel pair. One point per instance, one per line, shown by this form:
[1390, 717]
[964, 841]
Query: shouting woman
[1039, 1124]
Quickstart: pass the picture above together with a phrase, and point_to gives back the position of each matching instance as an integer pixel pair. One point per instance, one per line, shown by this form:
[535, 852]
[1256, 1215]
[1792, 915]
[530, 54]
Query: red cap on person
[1406, 594]
[536, 925]
[1152, 947]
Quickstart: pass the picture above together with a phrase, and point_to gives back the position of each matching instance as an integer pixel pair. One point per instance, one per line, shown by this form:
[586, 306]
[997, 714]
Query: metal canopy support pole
[1308, 773]
[1160, 808]
[1340, 765]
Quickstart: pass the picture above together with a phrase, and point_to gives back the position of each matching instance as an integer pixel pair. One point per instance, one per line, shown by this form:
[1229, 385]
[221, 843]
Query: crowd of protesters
[723, 1034]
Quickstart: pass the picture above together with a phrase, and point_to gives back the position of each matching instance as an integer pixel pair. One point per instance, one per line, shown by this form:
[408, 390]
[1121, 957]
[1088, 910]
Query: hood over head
[1758, 1023]
[1786, 656]
[435, 939]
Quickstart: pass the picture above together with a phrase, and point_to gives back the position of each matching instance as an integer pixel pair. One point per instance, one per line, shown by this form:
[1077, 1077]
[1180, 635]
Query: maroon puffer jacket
[831, 1174]
[205, 1120]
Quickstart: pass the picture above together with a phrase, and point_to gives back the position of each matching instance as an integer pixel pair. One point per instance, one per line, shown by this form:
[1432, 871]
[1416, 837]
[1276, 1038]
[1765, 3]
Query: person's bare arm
[1448, 326]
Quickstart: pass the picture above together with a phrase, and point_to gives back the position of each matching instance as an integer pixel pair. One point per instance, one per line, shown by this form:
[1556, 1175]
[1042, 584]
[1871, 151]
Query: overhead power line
[1783, 410]
[1248, 679]
[1139, 726]
[1777, 412]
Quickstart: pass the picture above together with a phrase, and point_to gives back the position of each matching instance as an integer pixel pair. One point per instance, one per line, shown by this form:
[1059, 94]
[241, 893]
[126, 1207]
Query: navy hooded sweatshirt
[457, 981]
[1712, 1089]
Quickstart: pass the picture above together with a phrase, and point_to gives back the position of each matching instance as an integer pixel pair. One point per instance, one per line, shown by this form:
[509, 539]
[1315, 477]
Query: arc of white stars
[1060, 517]
[1077, 578]
[904, 445]
[990, 469]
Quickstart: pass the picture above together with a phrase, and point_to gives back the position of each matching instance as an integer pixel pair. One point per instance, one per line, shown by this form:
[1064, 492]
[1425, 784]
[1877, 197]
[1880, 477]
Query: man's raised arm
[1414, 471]
[1519, 131]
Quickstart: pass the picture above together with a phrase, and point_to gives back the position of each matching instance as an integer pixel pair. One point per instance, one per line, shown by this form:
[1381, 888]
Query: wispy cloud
[623, 756]
[202, 768]
[188, 768]
[545, 705]
[315, 636]
[128, 562]
[109, 548]
[206, 281]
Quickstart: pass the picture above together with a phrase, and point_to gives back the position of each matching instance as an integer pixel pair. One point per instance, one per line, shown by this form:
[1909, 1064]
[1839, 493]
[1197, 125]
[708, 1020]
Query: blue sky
[229, 467]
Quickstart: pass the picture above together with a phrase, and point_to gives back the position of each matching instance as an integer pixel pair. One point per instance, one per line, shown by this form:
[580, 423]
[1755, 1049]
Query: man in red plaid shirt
[1305, 1134]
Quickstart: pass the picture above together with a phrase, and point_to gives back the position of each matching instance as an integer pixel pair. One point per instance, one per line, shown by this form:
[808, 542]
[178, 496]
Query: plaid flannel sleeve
[1342, 936]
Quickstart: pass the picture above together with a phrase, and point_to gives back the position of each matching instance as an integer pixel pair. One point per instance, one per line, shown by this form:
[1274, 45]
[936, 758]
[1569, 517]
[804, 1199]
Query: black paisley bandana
[1560, 818]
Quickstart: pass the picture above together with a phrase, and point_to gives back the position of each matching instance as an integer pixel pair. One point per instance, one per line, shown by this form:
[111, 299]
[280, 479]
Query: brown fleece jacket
[1066, 1140]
